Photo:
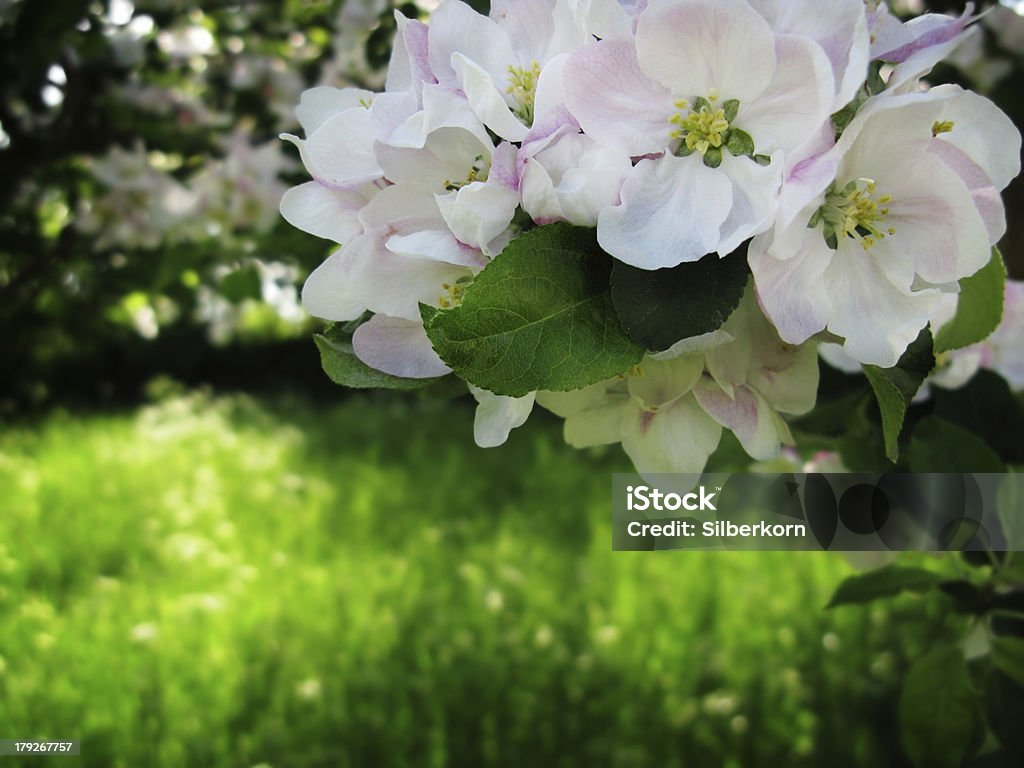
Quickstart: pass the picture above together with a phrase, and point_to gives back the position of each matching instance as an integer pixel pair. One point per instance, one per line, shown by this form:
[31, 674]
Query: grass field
[224, 582]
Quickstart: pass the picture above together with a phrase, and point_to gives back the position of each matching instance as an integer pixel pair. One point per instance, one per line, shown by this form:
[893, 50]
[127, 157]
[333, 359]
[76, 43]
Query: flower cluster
[679, 131]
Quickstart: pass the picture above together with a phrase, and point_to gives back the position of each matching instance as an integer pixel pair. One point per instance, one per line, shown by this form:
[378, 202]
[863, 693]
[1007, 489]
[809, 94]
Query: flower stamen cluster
[523, 89]
[478, 172]
[855, 212]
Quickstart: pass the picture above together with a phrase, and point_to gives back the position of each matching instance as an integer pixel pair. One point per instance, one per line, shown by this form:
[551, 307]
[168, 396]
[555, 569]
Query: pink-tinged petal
[529, 25]
[810, 171]
[397, 286]
[436, 245]
[791, 288]
[986, 197]
[330, 293]
[797, 101]
[672, 211]
[938, 229]
[755, 197]
[448, 157]
[394, 285]
[923, 32]
[600, 424]
[497, 416]
[539, 198]
[877, 320]
[478, 213]
[327, 213]
[390, 111]
[842, 34]
[340, 153]
[503, 167]
[443, 107]
[457, 28]
[410, 60]
[677, 440]
[551, 116]
[905, 76]
[746, 414]
[397, 347]
[320, 104]
[616, 103]
[791, 385]
[573, 180]
[402, 209]
[486, 100]
[693, 46]
[982, 131]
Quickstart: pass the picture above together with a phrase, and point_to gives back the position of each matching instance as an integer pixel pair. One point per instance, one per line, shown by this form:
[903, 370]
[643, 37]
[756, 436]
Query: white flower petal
[677, 440]
[797, 101]
[615, 102]
[601, 424]
[790, 287]
[877, 320]
[329, 292]
[397, 347]
[340, 154]
[745, 413]
[318, 105]
[486, 99]
[457, 28]
[436, 245]
[327, 213]
[671, 212]
[496, 416]
[478, 213]
[662, 382]
[693, 46]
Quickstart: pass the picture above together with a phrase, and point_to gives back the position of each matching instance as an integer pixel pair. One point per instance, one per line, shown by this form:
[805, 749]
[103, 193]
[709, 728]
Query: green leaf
[889, 581]
[893, 407]
[895, 388]
[937, 445]
[658, 308]
[538, 317]
[343, 367]
[939, 710]
[980, 309]
[1008, 656]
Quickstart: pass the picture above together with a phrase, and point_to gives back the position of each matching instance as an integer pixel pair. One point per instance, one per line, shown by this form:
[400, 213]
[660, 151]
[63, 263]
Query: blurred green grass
[218, 581]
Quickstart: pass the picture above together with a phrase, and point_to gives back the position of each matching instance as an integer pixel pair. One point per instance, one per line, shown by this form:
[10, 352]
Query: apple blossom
[669, 412]
[914, 208]
[710, 98]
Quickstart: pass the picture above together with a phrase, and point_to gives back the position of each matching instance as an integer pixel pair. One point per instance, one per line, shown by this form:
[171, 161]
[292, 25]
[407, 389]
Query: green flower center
[705, 127]
[856, 211]
[522, 87]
